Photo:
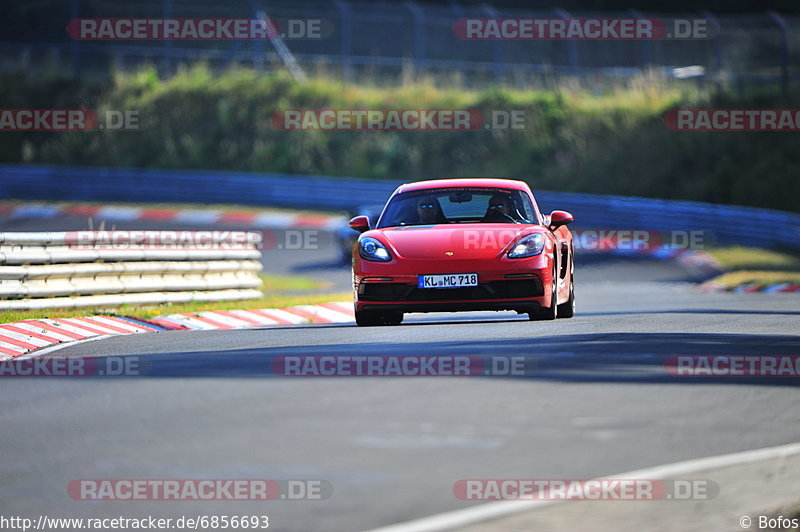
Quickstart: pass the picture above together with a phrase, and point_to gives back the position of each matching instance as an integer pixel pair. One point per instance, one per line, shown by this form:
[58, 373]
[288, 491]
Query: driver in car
[428, 210]
[499, 209]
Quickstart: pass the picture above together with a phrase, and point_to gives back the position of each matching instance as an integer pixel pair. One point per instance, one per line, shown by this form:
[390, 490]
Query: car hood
[473, 241]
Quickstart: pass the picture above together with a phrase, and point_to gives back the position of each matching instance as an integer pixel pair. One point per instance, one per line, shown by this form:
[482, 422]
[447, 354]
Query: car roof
[490, 182]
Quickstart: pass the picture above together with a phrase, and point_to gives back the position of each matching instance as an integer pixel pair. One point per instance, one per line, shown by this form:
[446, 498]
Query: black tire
[567, 309]
[393, 318]
[549, 313]
[368, 318]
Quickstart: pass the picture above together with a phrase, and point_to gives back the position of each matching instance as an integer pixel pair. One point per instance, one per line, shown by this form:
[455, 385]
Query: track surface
[599, 404]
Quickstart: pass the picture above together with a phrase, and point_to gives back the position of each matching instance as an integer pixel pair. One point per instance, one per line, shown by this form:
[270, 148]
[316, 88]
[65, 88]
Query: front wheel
[551, 312]
[567, 309]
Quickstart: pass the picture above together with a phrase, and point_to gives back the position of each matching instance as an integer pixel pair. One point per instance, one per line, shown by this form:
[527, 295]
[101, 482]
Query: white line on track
[494, 510]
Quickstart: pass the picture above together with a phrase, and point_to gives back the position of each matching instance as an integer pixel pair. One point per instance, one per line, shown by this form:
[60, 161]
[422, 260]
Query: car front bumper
[523, 286]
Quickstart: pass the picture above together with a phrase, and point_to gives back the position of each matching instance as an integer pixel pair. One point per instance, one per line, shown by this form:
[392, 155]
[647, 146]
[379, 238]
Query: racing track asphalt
[598, 403]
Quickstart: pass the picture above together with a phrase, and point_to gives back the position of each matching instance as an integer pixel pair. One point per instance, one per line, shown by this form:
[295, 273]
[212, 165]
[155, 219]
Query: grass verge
[275, 296]
[733, 279]
[745, 258]
[747, 265]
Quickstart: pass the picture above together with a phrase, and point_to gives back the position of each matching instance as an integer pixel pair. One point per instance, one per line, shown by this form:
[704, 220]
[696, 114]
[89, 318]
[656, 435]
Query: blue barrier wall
[728, 224]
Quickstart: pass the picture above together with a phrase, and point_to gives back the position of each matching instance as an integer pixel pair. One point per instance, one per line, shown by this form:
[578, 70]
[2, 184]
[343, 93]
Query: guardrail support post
[420, 48]
[497, 45]
[346, 38]
[258, 44]
[647, 45]
[284, 53]
[572, 46]
[75, 44]
[784, 30]
[716, 43]
[166, 8]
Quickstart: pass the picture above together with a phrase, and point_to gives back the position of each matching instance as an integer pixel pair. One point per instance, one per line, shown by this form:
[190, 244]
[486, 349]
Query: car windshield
[459, 205]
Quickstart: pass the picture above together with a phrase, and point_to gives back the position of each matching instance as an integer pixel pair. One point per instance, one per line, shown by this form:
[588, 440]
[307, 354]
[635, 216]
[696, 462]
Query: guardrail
[727, 223]
[87, 269]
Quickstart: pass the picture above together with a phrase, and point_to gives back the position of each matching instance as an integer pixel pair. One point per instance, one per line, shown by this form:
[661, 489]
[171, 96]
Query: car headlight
[371, 249]
[527, 247]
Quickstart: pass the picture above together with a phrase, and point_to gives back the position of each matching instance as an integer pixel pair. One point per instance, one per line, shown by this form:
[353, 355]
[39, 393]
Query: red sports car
[463, 244]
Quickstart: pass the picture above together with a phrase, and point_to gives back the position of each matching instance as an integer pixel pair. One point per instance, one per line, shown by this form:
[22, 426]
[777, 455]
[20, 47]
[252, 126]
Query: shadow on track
[695, 311]
[603, 357]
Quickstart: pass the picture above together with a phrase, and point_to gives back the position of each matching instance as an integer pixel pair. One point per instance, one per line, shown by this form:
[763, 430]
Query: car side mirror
[559, 218]
[360, 224]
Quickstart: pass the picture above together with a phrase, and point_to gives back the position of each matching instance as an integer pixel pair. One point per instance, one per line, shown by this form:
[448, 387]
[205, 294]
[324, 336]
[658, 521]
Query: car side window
[527, 208]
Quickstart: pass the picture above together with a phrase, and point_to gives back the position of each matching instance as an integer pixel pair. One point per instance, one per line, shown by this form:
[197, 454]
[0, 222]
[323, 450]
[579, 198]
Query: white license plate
[451, 280]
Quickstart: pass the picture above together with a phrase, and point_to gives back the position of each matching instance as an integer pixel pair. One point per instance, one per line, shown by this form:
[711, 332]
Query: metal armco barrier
[728, 224]
[49, 270]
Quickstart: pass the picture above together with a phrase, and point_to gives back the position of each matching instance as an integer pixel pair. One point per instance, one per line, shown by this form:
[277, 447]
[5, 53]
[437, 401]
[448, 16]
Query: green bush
[609, 141]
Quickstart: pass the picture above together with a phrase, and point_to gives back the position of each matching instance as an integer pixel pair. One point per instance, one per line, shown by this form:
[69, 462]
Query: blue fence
[728, 224]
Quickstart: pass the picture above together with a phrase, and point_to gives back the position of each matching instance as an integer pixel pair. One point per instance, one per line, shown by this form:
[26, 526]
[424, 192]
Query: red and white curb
[339, 312]
[255, 219]
[29, 336]
[752, 288]
[24, 337]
